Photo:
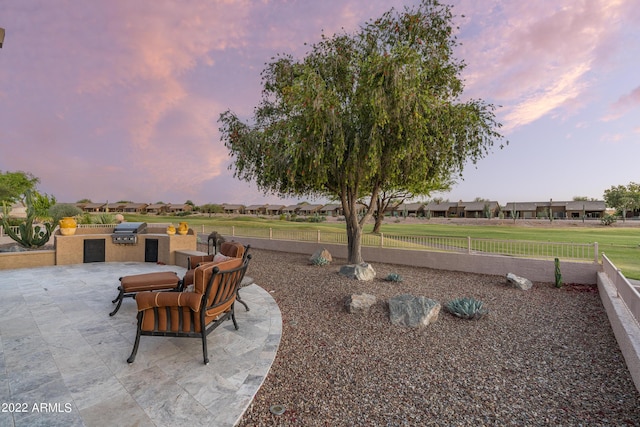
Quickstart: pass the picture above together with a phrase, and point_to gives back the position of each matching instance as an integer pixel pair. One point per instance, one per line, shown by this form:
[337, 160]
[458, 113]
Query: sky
[119, 100]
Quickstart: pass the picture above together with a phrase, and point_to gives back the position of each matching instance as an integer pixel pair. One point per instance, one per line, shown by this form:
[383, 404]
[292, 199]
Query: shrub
[466, 308]
[104, 218]
[393, 277]
[61, 210]
[320, 261]
[608, 219]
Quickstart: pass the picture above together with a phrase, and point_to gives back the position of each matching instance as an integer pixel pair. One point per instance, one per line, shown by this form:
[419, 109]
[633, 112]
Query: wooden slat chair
[192, 314]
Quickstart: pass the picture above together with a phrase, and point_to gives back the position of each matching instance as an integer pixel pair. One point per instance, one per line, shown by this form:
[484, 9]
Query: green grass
[620, 244]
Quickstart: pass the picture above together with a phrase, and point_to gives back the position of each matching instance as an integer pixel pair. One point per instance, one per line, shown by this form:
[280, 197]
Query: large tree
[14, 186]
[380, 108]
[623, 198]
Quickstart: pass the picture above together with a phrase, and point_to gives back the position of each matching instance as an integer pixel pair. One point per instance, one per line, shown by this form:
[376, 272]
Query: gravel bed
[546, 356]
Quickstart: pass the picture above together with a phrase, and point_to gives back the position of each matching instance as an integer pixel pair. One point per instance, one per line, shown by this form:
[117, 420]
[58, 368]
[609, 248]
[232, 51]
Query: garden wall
[533, 269]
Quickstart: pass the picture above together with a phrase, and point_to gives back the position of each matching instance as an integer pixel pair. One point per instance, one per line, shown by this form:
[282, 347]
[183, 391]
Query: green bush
[466, 308]
[61, 210]
[608, 219]
[105, 218]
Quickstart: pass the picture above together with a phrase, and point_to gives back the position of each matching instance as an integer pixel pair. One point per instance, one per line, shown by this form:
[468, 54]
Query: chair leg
[205, 353]
[137, 342]
[233, 316]
[240, 300]
[119, 300]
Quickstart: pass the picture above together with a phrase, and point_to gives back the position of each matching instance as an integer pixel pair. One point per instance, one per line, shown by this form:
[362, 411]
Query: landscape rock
[519, 282]
[359, 304]
[362, 271]
[412, 311]
[321, 253]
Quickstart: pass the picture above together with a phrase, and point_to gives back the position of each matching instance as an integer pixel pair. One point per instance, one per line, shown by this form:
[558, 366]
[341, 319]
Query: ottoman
[131, 285]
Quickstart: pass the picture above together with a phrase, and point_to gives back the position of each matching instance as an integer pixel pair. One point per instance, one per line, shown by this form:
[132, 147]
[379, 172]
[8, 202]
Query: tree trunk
[354, 238]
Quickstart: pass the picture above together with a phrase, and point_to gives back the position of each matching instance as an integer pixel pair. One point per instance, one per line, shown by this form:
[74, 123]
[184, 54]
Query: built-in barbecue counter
[139, 242]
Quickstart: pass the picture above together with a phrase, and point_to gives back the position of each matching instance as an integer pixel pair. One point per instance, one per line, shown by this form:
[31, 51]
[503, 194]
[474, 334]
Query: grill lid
[130, 228]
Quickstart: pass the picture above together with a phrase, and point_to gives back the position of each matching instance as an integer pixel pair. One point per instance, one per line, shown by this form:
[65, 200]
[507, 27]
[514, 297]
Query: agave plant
[320, 261]
[394, 277]
[466, 308]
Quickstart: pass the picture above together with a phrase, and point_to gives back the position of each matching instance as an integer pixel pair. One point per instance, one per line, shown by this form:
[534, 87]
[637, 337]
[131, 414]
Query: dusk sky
[119, 100]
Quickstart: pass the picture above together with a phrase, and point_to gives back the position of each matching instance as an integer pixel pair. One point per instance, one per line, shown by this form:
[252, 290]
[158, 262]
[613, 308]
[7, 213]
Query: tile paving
[63, 358]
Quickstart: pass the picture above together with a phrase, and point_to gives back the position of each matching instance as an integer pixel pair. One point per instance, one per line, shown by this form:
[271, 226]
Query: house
[441, 209]
[585, 208]
[291, 209]
[479, 209]
[171, 208]
[232, 209]
[135, 207]
[256, 209]
[157, 208]
[331, 210]
[309, 209]
[274, 209]
[410, 209]
[557, 210]
[115, 207]
[91, 207]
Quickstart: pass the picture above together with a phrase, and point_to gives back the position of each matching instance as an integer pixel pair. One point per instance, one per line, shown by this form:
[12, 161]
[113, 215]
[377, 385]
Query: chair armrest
[147, 300]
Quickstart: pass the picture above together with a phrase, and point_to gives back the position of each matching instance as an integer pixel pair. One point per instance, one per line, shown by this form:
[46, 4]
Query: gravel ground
[541, 357]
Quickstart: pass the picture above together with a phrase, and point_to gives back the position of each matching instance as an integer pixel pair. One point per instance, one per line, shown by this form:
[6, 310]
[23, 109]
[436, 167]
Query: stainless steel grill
[126, 233]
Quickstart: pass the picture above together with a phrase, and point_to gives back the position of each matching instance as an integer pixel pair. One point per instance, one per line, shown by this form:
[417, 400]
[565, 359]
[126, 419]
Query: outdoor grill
[127, 232]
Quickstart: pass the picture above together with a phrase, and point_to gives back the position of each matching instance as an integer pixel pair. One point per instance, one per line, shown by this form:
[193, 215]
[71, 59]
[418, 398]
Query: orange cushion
[150, 281]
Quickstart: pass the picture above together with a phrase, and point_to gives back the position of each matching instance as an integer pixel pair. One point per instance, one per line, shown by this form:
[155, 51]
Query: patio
[64, 359]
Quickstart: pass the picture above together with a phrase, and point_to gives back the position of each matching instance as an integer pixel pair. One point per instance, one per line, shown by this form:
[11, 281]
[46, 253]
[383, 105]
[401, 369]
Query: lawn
[620, 244]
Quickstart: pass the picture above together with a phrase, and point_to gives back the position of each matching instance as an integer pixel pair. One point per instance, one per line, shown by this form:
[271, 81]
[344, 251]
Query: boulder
[362, 271]
[321, 253]
[359, 304]
[519, 282]
[412, 311]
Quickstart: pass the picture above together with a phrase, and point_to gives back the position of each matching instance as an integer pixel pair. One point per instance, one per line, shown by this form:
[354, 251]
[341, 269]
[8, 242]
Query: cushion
[220, 258]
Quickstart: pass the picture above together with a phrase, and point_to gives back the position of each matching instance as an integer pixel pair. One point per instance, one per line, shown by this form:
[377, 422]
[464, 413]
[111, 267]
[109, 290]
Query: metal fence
[587, 252]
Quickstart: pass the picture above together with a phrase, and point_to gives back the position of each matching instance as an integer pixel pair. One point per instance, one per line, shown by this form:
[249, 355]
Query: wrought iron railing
[587, 252]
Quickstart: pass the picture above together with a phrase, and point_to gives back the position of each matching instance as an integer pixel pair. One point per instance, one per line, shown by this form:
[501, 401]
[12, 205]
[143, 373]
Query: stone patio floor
[63, 358]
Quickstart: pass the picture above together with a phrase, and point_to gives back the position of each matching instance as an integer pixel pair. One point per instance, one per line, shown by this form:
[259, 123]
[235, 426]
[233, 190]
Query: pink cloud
[624, 104]
[535, 58]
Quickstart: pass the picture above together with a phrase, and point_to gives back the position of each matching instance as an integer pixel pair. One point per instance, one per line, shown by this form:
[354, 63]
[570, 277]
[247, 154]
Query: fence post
[382, 240]
[468, 244]
[1, 231]
[233, 231]
[595, 252]
[270, 233]
[318, 236]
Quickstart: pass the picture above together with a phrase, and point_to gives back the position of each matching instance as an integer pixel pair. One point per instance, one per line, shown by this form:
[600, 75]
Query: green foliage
[364, 112]
[623, 198]
[85, 218]
[105, 218]
[14, 185]
[557, 273]
[466, 308]
[608, 220]
[61, 210]
[29, 234]
[393, 277]
[320, 261]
